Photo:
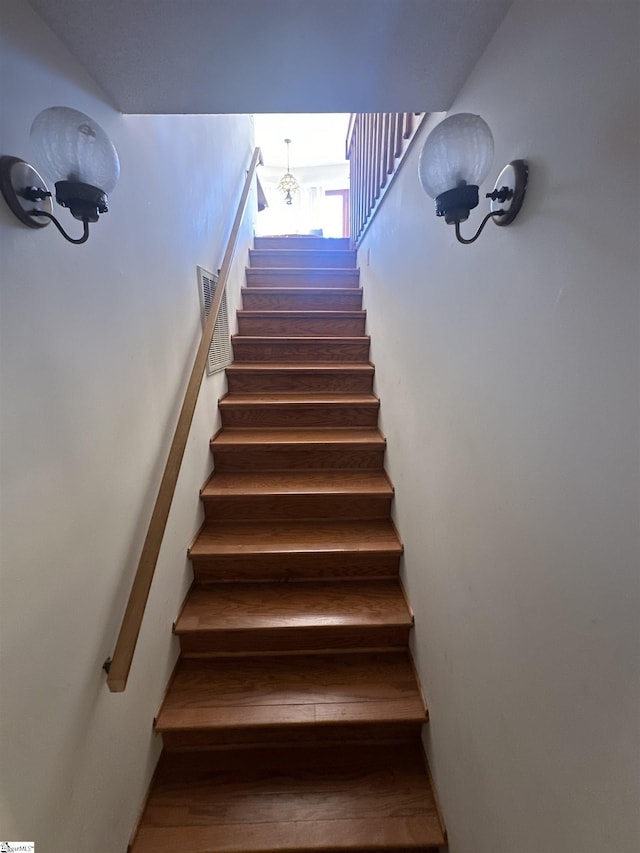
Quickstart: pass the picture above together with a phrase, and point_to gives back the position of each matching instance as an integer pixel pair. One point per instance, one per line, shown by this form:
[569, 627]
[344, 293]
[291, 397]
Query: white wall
[508, 373]
[96, 343]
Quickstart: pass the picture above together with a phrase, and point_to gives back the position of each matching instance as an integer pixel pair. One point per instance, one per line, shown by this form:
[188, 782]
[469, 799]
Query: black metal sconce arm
[27, 196]
[78, 240]
[39, 194]
[466, 241]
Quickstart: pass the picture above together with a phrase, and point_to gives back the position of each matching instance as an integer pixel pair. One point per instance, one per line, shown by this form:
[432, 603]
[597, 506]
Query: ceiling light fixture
[76, 152]
[288, 185]
[454, 161]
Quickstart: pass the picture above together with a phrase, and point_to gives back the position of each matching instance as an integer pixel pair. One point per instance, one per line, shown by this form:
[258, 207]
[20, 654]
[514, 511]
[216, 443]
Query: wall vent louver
[220, 353]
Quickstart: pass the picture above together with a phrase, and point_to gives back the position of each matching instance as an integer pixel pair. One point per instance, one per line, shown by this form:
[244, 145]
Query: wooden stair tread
[241, 537]
[229, 484]
[297, 435]
[301, 298]
[301, 339]
[277, 398]
[299, 367]
[297, 690]
[300, 277]
[355, 798]
[303, 291]
[291, 314]
[303, 258]
[314, 271]
[236, 606]
[249, 447]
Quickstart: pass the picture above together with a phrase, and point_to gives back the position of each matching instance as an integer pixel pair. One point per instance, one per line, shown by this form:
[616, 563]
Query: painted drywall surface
[96, 343]
[319, 55]
[508, 374]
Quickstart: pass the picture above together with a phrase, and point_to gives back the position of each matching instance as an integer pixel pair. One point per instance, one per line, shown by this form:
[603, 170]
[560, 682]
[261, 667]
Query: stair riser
[254, 299]
[282, 507]
[301, 326]
[303, 278]
[297, 351]
[302, 259]
[259, 382]
[296, 458]
[290, 415]
[289, 735]
[338, 637]
[355, 565]
[304, 242]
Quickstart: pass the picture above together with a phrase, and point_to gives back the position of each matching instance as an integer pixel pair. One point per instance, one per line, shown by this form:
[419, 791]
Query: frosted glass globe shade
[458, 151]
[73, 147]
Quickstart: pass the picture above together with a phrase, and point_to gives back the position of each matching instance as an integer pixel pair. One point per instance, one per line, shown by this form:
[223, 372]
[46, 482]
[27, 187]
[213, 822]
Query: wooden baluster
[381, 157]
[408, 125]
[399, 132]
[378, 160]
[390, 141]
[370, 173]
[361, 159]
[355, 181]
[375, 159]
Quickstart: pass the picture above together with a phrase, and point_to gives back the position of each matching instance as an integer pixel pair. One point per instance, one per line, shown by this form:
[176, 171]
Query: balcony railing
[376, 145]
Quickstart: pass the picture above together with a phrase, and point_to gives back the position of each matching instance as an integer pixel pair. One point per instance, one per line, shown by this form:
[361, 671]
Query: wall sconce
[454, 161]
[78, 154]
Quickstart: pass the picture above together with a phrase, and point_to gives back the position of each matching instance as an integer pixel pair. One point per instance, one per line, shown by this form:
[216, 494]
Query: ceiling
[252, 56]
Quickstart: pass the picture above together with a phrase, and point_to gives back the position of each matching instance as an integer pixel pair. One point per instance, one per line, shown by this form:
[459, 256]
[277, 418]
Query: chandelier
[288, 185]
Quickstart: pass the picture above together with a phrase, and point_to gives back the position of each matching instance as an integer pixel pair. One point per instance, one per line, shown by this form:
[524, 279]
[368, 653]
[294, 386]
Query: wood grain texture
[281, 495]
[289, 549]
[231, 618]
[288, 448]
[302, 323]
[348, 798]
[301, 298]
[300, 349]
[252, 377]
[297, 537]
[303, 258]
[300, 410]
[226, 702]
[293, 719]
[284, 277]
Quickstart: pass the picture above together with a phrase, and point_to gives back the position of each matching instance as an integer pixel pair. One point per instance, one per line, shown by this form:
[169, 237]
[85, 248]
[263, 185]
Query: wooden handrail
[118, 667]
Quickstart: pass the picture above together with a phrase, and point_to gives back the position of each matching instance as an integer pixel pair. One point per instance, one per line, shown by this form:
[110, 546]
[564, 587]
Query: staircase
[292, 722]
